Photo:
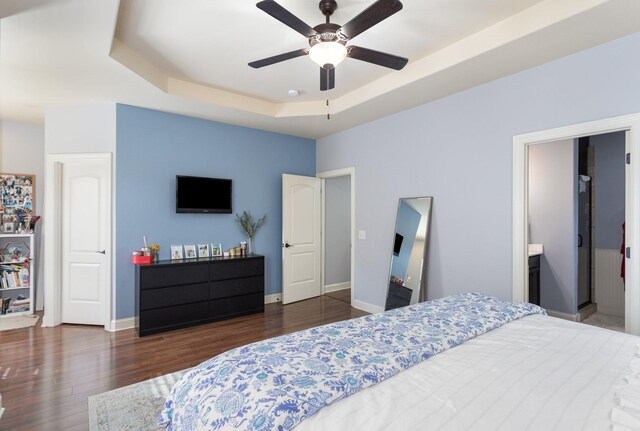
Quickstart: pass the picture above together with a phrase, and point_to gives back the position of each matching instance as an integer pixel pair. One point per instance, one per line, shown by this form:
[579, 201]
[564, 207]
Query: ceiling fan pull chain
[328, 114]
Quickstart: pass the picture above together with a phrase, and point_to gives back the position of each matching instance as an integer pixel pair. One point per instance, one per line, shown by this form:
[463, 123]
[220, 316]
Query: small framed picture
[203, 250]
[190, 251]
[8, 227]
[216, 250]
[176, 252]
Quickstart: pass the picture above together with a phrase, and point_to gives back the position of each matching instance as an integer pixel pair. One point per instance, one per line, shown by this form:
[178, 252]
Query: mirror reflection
[407, 274]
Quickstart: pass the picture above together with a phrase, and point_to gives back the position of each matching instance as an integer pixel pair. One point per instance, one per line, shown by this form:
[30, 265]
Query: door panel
[84, 245]
[84, 280]
[301, 224]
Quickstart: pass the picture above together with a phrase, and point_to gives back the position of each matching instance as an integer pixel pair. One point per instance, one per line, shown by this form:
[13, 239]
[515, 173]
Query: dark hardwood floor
[343, 295]
[46, 374]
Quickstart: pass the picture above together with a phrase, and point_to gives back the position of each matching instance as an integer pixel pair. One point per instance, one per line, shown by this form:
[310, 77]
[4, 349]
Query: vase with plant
[250, 227]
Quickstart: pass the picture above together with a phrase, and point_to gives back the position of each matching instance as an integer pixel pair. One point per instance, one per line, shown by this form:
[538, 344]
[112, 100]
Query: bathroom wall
[609, 184]
[553, 221]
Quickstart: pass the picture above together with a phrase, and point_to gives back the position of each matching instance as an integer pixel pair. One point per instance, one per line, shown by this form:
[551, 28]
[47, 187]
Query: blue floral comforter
[275, 384]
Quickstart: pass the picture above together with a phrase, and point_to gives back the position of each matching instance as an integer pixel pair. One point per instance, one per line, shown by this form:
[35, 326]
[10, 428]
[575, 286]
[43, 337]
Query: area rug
[131, 408]
[17, 322]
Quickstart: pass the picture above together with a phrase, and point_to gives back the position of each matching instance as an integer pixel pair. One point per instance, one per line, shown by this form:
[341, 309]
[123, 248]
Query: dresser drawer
[174, 295]
[237, 286]
[178, 316]
[235, 305]
[151, 278]
[232, 269]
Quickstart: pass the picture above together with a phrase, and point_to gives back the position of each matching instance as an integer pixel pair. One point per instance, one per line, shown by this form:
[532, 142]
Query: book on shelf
[14, 276]
[5, 305]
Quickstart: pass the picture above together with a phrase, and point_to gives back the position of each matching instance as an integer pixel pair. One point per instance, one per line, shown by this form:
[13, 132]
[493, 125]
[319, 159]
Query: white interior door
[301, 246]
[85, 213]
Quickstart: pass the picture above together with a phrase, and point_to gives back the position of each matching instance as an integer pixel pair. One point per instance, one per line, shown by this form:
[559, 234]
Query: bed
[463, 362]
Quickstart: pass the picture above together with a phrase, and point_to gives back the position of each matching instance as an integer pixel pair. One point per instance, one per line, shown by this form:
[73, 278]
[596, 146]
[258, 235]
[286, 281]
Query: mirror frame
[422, 293]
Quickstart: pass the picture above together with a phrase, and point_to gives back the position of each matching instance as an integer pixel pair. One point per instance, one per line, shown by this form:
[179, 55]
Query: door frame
[53, 235]
[630, 123]
[351, 172]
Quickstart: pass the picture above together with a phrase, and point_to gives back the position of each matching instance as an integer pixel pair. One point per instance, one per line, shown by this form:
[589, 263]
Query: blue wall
[153, 147]
[609, 188]
[407, 226]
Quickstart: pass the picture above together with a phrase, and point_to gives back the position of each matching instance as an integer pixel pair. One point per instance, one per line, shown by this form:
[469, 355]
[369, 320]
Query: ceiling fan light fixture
[324, 53]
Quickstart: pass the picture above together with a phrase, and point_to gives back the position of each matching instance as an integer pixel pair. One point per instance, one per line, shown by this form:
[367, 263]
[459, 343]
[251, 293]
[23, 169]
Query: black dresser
[179, 293]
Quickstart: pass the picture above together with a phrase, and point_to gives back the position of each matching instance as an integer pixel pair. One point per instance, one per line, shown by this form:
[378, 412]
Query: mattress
[535, 373]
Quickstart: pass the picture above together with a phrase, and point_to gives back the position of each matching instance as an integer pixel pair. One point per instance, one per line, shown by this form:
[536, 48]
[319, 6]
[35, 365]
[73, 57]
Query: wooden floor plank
[46, 374]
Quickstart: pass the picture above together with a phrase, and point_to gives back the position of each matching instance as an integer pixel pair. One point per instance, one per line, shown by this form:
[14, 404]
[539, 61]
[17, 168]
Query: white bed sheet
[536, 373]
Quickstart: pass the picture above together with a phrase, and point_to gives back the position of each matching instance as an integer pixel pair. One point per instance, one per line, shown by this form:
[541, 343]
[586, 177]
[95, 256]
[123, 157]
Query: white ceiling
[190, 57]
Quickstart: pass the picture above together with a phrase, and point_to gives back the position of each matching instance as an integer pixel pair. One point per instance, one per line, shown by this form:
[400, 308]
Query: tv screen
[397, 245]
[203, 195]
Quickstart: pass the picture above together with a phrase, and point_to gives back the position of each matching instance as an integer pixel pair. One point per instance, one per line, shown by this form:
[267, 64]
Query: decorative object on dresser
[216, 250]
[176, 252]
[175, 294]
[190, 252]
[17, 268]
[250, 228]
[203, 250]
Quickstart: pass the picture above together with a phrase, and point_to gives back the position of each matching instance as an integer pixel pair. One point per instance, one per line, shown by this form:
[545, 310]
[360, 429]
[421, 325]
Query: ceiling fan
[328, 41]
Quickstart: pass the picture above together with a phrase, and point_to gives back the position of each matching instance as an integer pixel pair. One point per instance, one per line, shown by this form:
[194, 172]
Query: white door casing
[301, 246]
[629, 123]
[351, 172]
[76, 273]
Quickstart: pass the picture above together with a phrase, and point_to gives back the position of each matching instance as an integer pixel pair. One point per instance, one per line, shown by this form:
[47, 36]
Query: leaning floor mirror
[407, 273]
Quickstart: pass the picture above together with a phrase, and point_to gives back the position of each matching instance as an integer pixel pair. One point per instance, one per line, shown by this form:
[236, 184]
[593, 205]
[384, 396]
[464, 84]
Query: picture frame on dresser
[216, 250]
[190, 251]
[176, 252]
[203, 250]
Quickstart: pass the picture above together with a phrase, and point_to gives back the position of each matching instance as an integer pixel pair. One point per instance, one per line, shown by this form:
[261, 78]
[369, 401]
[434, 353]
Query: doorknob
[100, 251]
[287, 245]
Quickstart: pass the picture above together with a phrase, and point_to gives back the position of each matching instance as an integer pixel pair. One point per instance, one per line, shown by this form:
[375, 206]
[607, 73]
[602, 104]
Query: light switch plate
[362, 234]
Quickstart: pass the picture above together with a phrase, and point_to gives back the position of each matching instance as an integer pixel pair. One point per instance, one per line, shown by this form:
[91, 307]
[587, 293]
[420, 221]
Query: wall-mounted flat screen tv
[397, 244]
[203, 195]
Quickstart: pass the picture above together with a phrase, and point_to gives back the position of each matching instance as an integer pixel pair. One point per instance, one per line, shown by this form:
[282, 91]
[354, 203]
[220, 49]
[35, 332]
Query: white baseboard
[45, 322]
[337, 286]
[365, 306]
[611, 311]
[274, 297]
[122, 324]
[565, 316]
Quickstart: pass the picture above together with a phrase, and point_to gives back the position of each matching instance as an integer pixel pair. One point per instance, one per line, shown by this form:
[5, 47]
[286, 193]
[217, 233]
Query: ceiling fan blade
[286, 17]
[379, 11]
[327, 78]
[376, 57]
[278, 58]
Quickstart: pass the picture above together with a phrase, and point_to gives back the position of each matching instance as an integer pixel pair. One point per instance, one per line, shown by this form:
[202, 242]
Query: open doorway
[630, 124]
[338, 229]
[576, 209]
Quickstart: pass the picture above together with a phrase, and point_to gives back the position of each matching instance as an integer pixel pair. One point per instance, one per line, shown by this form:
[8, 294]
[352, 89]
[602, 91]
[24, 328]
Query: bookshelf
[17, 274]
